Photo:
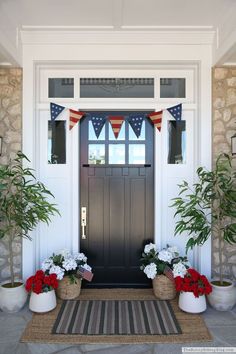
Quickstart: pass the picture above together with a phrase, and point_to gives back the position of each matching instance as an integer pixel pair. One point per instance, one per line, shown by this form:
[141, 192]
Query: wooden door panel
[119, 200]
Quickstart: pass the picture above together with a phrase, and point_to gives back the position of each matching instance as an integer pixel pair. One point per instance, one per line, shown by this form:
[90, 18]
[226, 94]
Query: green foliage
[23, 201]
[210, 205]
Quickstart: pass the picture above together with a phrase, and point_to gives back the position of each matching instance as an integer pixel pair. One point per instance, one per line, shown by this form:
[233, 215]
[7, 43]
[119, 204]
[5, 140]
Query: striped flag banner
[156, 118]
[75, 117]
[168, 273]
[116, 123]
[85, 274]
[55, 110]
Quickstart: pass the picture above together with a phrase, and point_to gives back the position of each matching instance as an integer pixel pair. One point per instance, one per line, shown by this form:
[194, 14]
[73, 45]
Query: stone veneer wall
[10, 130]
[224, 126]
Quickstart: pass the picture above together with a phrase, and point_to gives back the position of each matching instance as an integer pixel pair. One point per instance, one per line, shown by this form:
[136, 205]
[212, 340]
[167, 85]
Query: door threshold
[114, 286]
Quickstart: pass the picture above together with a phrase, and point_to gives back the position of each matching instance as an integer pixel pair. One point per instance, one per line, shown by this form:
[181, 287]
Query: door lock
[83, 222]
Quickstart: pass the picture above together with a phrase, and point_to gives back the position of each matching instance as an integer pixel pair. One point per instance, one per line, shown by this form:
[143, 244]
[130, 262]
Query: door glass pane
[177, 142]
[57, 142]
[116, 154]
[137, 154]
[121, 135]
[61, 87]
[117, 87]
[132, 135]
[92, 135]
[172, 88]
[96, 154]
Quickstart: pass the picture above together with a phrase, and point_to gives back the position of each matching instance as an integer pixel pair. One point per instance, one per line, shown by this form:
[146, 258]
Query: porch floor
[222, 326]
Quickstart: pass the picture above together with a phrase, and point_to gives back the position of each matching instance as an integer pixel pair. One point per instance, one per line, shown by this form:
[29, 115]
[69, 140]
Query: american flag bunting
[55, 110]
[176, 111]
[116, 123]
[136, 124]
[98, 123]
[75, 117]
[156, 118]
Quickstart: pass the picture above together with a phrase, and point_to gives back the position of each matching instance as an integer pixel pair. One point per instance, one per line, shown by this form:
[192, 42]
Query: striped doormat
[116, 317]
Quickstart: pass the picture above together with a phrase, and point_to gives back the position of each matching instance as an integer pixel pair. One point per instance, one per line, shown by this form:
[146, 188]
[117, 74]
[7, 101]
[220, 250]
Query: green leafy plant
[23, 203]
[209, 206]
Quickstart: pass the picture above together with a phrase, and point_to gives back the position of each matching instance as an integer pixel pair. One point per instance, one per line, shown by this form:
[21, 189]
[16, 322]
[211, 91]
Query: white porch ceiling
[112, 15]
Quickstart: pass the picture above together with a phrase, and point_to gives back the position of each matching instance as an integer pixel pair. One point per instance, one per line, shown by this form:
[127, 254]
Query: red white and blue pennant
[98, 121]
[136, 122]
[55, 109]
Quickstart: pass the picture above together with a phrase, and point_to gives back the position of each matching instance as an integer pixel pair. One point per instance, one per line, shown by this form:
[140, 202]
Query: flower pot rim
[43, 293]
[9, 282]
[231, 285]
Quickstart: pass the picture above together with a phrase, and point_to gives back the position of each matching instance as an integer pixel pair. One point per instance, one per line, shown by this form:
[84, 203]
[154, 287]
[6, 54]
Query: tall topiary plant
[210, 205]
[23, 203]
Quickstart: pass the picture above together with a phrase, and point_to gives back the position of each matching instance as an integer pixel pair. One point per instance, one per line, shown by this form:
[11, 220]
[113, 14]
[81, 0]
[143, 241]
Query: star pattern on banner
[75, 117]
[156, 118]
[136, 124]
[176, 111]
[98, 123]
[55, 109]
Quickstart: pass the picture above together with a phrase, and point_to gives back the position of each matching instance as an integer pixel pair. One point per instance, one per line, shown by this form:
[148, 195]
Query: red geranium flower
[193, 282]
[40, 282]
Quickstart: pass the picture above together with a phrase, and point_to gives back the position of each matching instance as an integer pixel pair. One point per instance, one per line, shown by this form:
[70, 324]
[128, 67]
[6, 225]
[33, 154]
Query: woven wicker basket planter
[66, 290]
[163, 288]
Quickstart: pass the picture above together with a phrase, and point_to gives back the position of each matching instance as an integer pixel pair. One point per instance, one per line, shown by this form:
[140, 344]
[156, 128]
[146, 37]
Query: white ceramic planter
[43, 302]
[12, 299]
[189, 303]
[222, 298]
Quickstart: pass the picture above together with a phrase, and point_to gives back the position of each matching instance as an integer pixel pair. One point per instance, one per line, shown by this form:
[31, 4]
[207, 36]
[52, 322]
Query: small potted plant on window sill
[210, 206]
[23, 204]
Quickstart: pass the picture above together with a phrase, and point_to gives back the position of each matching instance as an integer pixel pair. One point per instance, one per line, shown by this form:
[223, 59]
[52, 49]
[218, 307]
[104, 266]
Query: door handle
[83, 222]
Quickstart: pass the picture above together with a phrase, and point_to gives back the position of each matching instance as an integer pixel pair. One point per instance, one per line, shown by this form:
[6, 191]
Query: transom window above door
[127, 149]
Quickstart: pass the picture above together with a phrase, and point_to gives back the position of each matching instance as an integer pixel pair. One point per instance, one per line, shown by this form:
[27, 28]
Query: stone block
[15, 109]
[219, 103]
[6, 91]
[217, 114]
[231, 97]
[3, 80]
[232, 81]
[220, 73]
[226, 114]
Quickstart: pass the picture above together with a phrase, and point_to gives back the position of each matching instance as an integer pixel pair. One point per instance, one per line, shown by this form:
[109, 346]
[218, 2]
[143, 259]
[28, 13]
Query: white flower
[69, 264]
[46, 265]
[65, 253]
[80, 257]
[151, 270]
[87, 267]
[58, 271]
[165, 256]
[149, 247]
[173, 250]
[179, 270]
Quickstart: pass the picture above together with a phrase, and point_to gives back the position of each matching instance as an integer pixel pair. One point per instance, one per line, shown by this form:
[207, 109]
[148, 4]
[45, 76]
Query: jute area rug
[39, 329]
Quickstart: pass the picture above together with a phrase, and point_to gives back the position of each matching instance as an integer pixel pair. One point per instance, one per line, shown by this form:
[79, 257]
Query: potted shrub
[23, 204]
[210, 206]
[162, 266]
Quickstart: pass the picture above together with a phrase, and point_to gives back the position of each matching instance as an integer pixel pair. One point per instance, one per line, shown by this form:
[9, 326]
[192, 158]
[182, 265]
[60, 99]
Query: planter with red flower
[42, 291]
[193, 287]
